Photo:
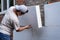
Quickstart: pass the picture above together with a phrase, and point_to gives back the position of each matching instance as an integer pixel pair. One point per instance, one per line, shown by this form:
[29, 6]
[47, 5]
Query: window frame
[8, 4]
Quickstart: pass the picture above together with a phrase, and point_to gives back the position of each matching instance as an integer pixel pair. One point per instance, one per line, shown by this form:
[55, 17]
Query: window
[5, 4]
[11, 2]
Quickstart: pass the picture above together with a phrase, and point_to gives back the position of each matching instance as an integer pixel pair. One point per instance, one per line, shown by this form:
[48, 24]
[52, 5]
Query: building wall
[29, 3]
[44, 33]
[33, 2]
[38, 2]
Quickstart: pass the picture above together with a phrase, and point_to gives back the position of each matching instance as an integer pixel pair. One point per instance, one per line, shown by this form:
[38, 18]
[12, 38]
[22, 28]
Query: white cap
[22, 8]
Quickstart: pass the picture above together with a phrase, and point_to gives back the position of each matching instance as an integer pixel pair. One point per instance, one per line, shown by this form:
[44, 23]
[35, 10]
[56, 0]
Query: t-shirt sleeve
[16, 25]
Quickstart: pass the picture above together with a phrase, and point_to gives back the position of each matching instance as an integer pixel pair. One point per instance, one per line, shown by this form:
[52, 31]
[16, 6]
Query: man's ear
[14, 10]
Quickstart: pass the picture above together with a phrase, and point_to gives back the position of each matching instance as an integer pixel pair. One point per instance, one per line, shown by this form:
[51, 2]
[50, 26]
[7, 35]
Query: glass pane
[4, 4]
[0, 5]
[10, 3]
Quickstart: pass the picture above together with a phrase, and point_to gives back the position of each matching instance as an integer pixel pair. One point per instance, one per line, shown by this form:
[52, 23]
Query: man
[11, 22]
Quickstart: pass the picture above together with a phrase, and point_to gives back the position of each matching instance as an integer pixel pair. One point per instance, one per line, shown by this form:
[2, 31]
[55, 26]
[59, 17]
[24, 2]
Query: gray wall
[49, 32]
[52, 16]
[29, 18]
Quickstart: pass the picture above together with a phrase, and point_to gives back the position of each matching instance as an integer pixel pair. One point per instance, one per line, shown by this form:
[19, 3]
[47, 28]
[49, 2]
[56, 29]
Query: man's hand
[28, 26]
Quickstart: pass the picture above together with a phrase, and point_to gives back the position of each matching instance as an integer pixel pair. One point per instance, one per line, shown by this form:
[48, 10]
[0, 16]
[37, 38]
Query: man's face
[19, 13]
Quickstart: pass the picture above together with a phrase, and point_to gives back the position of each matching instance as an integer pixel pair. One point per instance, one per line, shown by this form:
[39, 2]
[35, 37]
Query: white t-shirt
[9, 22]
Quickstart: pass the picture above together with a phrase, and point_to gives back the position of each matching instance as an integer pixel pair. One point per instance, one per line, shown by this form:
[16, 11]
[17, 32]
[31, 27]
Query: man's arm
[23, 28]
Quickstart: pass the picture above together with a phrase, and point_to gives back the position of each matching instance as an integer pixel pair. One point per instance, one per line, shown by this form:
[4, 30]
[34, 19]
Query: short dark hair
[18, 10]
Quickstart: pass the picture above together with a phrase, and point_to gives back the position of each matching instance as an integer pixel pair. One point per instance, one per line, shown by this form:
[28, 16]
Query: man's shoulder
[12, 7]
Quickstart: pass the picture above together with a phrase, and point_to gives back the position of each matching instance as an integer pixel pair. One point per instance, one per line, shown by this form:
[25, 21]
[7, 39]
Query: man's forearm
[23, 28]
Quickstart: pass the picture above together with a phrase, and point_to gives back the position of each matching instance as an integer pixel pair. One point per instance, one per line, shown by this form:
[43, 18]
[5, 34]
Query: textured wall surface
[32, 2]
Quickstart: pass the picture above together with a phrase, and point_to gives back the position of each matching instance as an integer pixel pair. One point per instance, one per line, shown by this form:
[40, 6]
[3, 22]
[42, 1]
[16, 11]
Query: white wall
[49, 32]
[52, 14]
[31, 18]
